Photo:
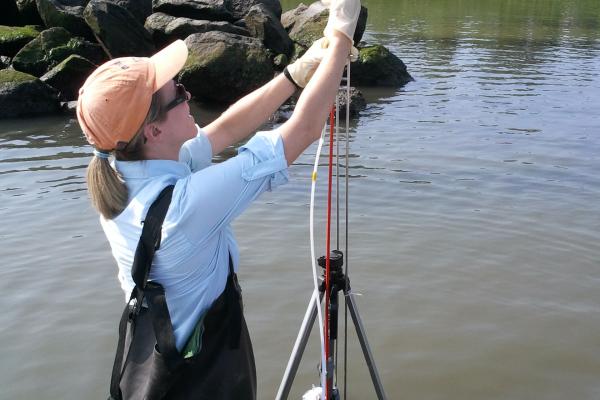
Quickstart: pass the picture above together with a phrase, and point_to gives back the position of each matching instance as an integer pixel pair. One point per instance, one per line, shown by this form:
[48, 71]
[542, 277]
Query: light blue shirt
[193, 260]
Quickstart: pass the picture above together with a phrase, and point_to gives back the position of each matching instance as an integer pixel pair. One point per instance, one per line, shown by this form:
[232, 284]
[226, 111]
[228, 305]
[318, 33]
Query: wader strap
[150, 239]
[234, 299]
[149, 242]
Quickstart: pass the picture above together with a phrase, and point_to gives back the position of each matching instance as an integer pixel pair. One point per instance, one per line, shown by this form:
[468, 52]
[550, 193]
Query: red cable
[327, 255]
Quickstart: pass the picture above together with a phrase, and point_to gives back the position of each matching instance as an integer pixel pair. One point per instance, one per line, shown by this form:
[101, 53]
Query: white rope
[314, 258]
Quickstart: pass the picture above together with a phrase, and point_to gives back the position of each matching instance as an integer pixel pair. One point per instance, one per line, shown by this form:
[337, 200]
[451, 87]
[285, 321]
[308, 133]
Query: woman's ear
[152, 133]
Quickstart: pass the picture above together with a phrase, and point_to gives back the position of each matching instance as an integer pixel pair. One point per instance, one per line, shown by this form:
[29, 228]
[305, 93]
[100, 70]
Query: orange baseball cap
[115, 99]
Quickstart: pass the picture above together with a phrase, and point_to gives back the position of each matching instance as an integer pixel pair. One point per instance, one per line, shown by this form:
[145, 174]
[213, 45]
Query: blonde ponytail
[106, 187]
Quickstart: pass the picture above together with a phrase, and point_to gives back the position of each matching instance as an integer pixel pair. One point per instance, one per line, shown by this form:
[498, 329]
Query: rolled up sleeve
[268, 159]
[211, 198]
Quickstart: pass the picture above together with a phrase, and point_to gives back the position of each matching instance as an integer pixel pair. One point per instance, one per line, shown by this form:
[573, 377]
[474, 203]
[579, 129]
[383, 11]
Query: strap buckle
[134, 308]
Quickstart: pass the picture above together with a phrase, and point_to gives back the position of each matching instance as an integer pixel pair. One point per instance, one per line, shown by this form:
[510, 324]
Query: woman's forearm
[314, 104]
[249, 113]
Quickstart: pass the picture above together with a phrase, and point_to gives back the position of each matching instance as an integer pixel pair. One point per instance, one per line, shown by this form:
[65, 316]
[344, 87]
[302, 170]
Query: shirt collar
[151, 168]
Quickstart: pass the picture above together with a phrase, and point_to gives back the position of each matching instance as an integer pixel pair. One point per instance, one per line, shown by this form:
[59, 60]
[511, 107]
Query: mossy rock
[91, 51]
[35, 58]
[13, 38]
[309, 26]
[24, 95]
[223, 67]
[10, 76]
[69, 76]
[377, 66]
[305, 24]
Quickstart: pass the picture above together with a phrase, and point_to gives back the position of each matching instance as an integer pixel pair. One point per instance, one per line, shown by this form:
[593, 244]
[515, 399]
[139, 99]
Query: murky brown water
[474, 224]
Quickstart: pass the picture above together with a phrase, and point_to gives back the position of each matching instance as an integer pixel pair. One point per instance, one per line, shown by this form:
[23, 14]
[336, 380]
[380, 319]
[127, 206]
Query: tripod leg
[299, 346]
[362, 338]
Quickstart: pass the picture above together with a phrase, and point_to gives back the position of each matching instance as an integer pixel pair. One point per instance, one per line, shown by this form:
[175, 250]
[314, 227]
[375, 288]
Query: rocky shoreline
[49, 47]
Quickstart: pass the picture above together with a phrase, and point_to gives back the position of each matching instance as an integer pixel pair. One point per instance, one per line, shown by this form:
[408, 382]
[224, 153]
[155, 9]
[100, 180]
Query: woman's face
[177, 122]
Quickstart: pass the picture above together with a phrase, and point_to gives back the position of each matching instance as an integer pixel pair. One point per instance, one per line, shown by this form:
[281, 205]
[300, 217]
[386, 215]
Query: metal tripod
[340, 282]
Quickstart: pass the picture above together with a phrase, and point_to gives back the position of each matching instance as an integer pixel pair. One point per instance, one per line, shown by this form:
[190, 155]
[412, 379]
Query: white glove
[301, 70]
[343, 16]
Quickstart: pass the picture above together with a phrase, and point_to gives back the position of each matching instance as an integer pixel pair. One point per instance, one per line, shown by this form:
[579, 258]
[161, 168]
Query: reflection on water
[473, 222]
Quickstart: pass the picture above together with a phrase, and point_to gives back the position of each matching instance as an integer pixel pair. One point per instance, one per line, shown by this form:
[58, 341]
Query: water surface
[474, 223]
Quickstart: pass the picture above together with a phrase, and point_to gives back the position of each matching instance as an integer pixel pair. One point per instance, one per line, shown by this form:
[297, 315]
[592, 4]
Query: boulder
[14, 38]
[33, 57]
[305, 24]
[264, 25]
[90, 51]
[28, 12]
[166, 28]
[212, 10]
[9, 14]
[24, 95]
[377, 66]
[223, 67]
[67, 14]
[140, 9]
[69, 76]
[289, 18]
[117, 30]
[357, 103]
[240, 8]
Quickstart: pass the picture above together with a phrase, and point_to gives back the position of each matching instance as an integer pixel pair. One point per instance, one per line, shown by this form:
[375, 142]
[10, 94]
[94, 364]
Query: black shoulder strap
[150, 238]
[149, 242]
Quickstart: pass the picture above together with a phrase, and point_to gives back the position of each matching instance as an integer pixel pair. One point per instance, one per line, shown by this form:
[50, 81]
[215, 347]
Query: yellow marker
[314, 176]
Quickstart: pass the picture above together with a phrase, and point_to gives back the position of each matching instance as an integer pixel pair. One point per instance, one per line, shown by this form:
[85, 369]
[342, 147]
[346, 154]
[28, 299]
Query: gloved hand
[343, 16]
[301, 70]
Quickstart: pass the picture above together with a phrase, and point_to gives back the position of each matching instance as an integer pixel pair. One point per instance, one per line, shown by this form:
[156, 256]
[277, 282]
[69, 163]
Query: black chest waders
[147, 363]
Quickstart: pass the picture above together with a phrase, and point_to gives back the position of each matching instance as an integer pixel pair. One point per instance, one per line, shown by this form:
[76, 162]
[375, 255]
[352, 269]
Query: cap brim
[168, 62]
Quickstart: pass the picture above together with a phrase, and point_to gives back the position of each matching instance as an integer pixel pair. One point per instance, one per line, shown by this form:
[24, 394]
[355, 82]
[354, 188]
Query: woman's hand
[303, 68]
[343, 16]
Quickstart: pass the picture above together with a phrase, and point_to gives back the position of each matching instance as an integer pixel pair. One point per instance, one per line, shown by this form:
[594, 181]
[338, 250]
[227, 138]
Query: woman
[133, 109]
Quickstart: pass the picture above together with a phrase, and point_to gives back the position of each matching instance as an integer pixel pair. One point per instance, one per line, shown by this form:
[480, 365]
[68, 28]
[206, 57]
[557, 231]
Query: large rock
[223, 67]
[67, 14]
[117, 30]
[140, 9]
[14, 38]
[28, 12]
[69, 76]
[377, 66]
[265, 25]
[241, 7]
[166, 28]
[33, 58]
[212, 10]
[305, 24]
[91, 51]
[24, 95]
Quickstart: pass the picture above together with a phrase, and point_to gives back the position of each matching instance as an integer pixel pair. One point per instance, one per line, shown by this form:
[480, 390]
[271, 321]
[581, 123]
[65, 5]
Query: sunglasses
[181, 96]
